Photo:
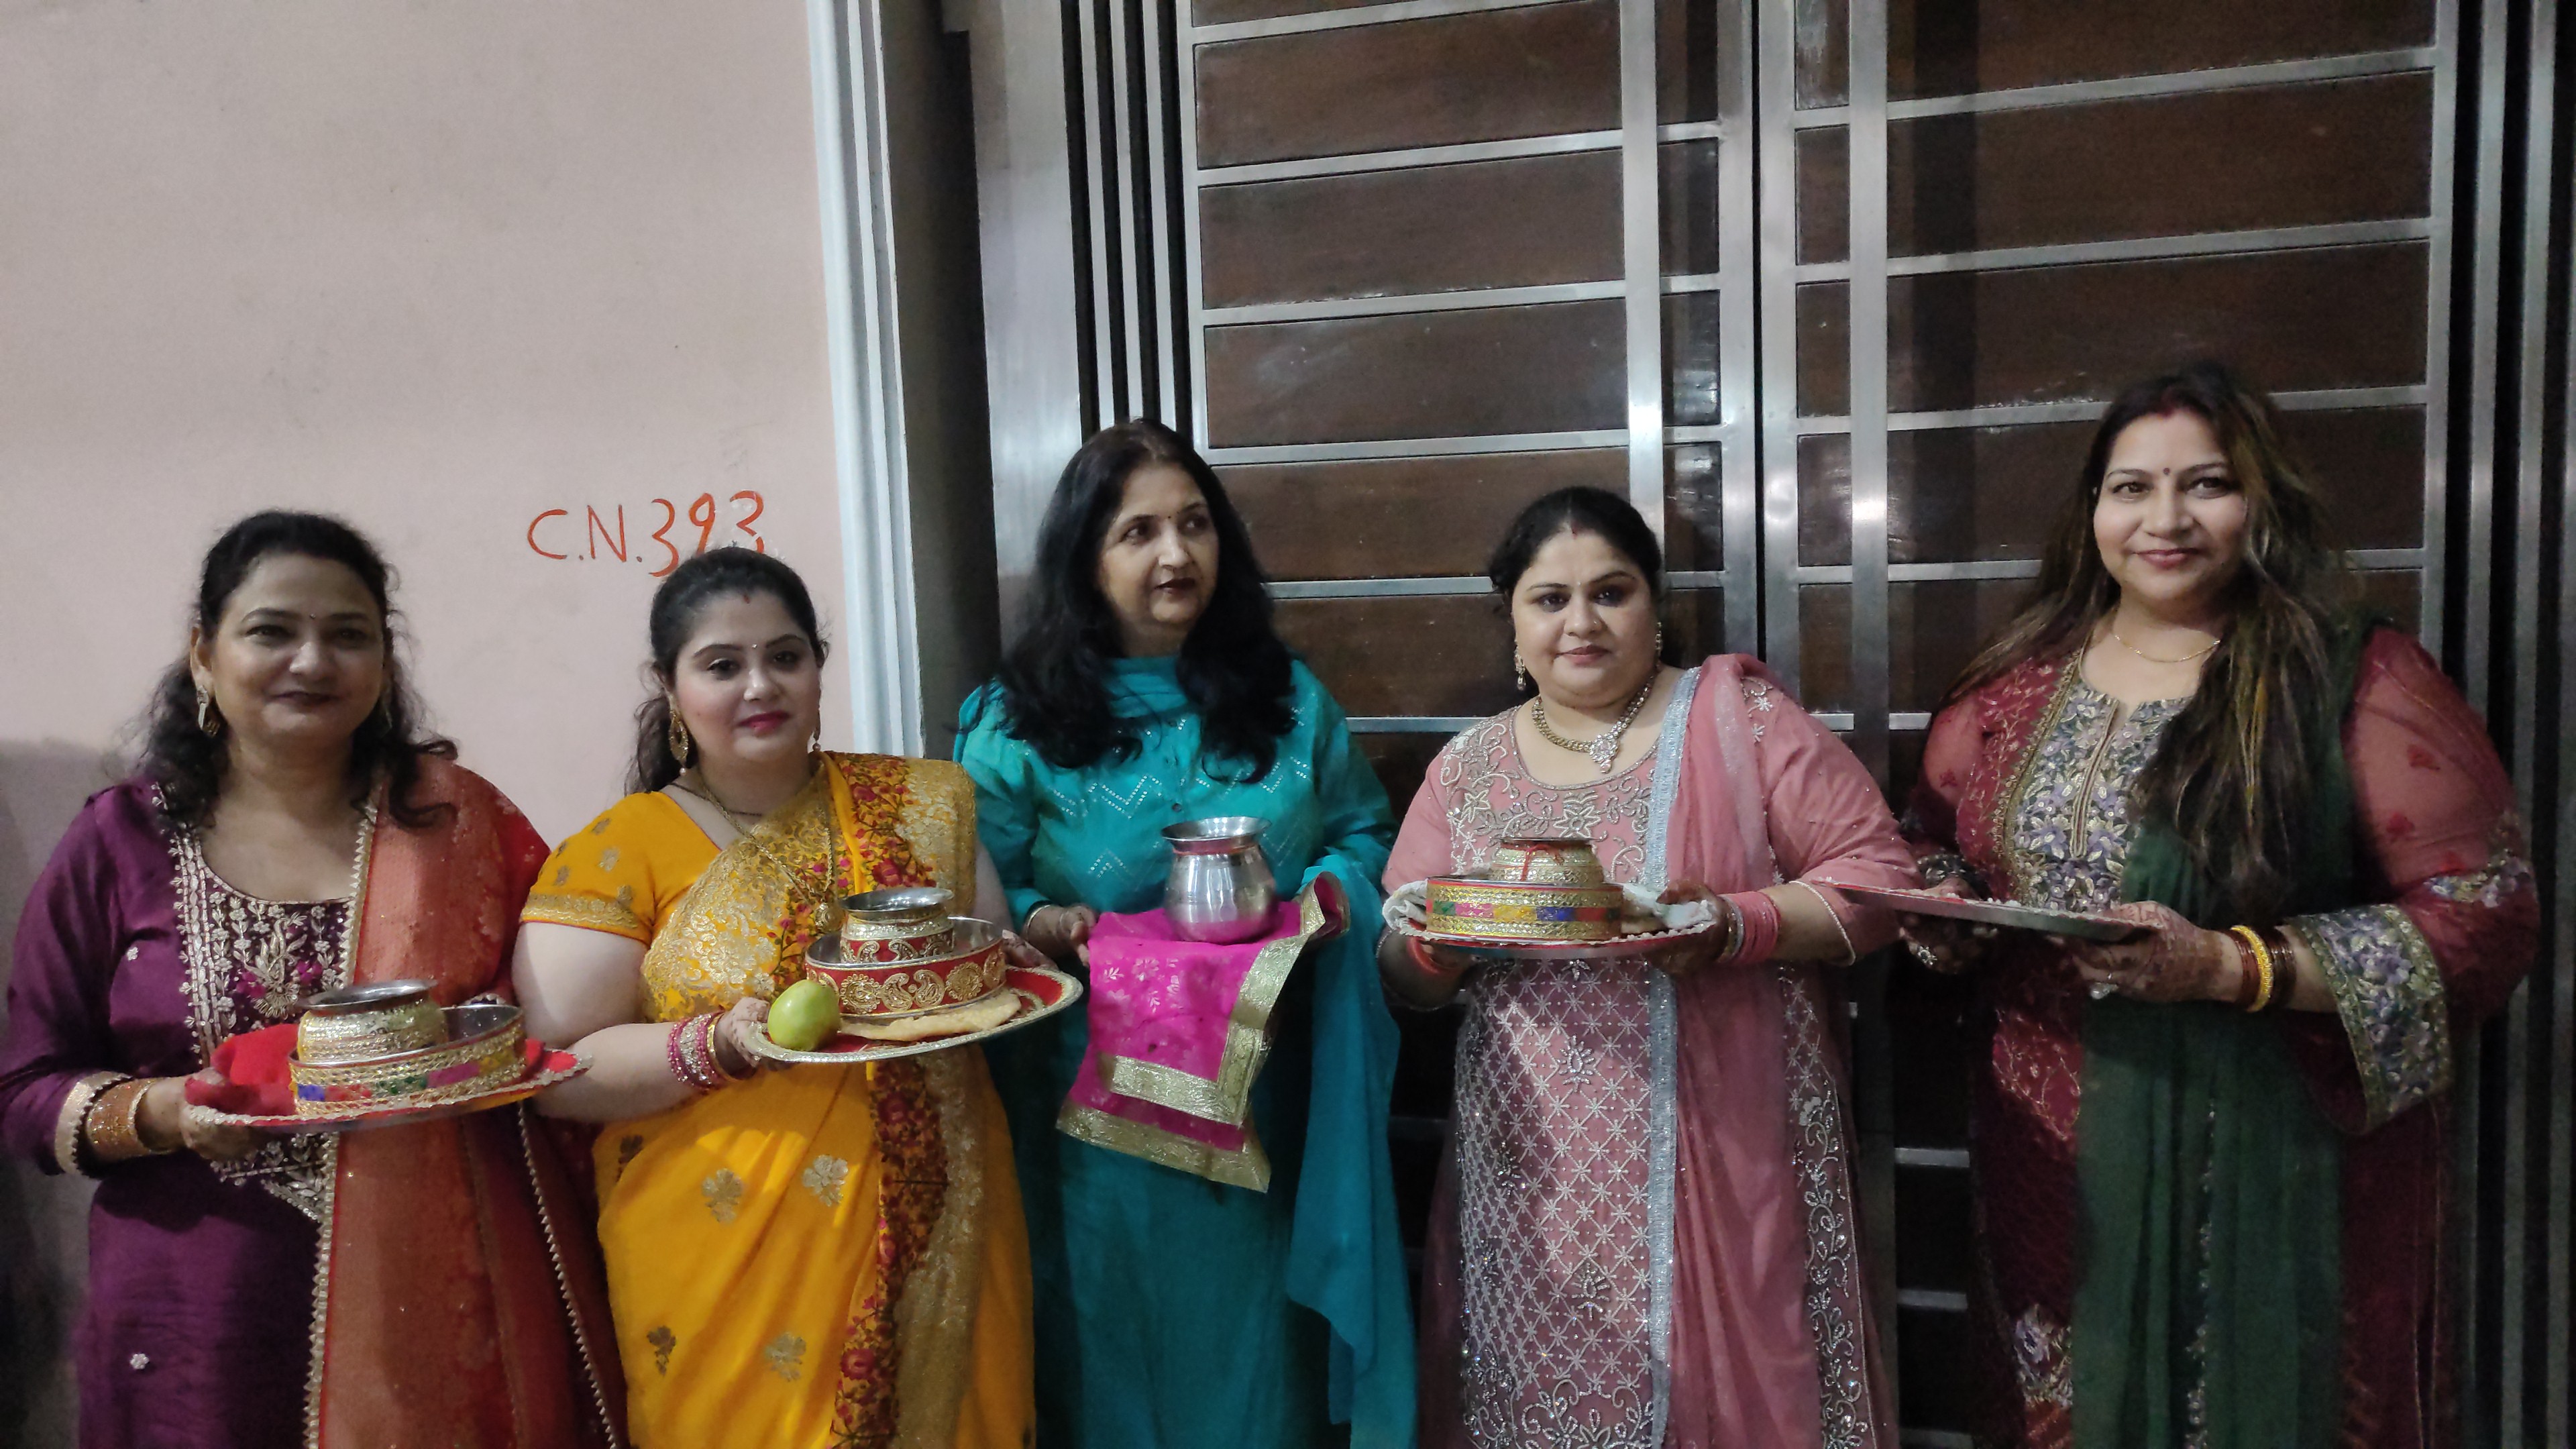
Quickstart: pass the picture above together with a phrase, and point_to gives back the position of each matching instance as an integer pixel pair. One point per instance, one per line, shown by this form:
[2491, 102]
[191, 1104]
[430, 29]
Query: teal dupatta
[2210, 1304]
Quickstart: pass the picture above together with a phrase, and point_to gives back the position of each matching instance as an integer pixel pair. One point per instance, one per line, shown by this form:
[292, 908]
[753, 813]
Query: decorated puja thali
[383, 1054]
[1545, 898]
[911, 978]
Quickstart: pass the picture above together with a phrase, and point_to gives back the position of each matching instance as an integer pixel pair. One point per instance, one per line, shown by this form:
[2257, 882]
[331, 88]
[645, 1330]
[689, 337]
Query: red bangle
[692, 1061]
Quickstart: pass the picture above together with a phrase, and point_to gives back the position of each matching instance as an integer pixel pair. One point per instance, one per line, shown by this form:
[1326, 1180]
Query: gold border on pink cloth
[1226, 1098]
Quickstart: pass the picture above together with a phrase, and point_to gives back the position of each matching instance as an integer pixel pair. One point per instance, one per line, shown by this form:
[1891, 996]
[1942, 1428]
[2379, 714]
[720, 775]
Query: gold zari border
[590, 913]
[1227, 1097]
[1247, 1166]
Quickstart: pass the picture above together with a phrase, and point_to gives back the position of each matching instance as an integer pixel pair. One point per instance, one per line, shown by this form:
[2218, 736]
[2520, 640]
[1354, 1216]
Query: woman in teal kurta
[1171, 1310]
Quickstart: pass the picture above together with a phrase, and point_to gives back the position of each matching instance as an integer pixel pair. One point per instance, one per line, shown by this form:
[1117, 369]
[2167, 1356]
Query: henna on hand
[2176, 961]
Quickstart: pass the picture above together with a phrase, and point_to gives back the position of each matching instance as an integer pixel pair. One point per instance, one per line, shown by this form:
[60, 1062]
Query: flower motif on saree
[723, 1192]
[785, 1356]
[663, 1341]
[823, 1178]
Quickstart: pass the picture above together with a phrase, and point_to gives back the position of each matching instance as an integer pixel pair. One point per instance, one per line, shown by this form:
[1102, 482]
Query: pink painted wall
[434, 267]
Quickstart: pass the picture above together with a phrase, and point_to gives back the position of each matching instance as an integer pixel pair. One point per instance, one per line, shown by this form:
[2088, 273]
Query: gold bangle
[2263, 967]
[74, 1114]
[113, 1133]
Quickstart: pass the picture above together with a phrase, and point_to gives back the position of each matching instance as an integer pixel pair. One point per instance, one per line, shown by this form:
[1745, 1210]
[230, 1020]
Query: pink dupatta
[1769, 1297]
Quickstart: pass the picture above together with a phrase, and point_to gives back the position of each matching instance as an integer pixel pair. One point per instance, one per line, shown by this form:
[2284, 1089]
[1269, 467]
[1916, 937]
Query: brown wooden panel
[1401, 761]
[1959, 494]
[2396, 595]
[2332, 317]
[1446, 654]
[1685, 61]
[1942, 48]
[1953, 494]
[1689, 207]
[1690, 358]
[2369, 464]
[1526, 222]
[1694, 508]
[1933, 631]
[1397, 517]
[1484, 76]
[2306, 155]
[1433, 374]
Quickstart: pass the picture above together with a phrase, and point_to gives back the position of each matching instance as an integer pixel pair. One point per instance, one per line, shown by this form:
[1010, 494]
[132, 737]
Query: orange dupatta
[457, 1292]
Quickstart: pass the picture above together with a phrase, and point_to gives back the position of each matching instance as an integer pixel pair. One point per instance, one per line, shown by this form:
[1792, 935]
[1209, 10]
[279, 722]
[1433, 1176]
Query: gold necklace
[742, 821]
[2151, 659]
[1602, 748]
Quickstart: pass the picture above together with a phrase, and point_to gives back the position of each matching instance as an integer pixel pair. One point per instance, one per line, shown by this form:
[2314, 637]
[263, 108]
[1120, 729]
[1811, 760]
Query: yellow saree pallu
[820, 1256]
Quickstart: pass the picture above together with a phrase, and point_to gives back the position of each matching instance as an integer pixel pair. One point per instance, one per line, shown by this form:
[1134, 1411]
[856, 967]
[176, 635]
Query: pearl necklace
[1602, 748]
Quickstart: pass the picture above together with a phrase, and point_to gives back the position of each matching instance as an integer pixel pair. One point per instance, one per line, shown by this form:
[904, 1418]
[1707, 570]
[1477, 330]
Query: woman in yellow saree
[815, 1256]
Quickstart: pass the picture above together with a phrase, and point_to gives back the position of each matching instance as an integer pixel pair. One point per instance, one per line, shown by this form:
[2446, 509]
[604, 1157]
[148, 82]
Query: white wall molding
[880, 644]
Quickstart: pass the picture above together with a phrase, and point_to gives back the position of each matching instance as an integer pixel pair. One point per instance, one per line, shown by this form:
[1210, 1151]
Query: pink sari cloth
[1180, 1028]
[1771, 1340]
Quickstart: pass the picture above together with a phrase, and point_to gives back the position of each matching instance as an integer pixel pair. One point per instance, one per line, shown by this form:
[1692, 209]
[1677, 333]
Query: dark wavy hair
[2232, 774]
[684, 595]
[1580, 509]
[189, 765]
[1054, 678]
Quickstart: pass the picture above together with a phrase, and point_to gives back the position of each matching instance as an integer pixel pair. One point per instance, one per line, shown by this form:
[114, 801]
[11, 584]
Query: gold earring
[209, 723]
[678, 735]
[1520, 671]
[1659, 638]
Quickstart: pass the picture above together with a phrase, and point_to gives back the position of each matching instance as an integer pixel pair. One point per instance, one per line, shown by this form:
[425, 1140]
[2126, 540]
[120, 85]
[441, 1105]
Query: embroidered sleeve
[2388, 994]
[2435, 811]
[600, 879]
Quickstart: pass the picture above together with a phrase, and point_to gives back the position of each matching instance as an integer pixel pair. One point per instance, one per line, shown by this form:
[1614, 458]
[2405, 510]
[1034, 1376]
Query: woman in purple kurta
[289, 834]
[177, 1244]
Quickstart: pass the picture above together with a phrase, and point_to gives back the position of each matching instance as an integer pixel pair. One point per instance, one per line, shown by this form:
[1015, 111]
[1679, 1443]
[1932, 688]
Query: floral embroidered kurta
[1173, 1311]
[2029, 779]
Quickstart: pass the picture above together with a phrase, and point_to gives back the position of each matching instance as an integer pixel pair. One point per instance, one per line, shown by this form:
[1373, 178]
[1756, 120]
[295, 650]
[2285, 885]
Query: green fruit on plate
[804, 1016]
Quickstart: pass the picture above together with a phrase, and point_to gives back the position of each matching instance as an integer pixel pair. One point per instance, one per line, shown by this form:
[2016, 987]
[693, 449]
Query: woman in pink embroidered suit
[1643, 1231]
[2236, 1243]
